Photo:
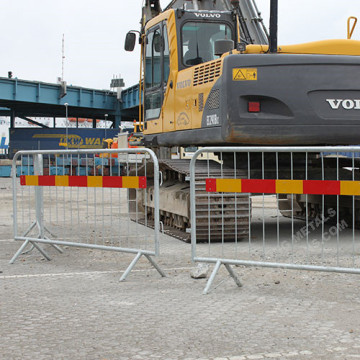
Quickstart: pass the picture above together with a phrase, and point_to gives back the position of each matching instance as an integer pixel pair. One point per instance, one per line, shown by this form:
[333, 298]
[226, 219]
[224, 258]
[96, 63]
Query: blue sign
[56, 139]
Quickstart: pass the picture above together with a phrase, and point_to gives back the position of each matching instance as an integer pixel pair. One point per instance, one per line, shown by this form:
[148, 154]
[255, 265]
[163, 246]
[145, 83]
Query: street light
[67, 123]
[106, 116]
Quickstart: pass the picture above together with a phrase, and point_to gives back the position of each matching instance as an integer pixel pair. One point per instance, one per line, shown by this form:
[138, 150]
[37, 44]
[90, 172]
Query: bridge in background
[24, 99]
[30, 99]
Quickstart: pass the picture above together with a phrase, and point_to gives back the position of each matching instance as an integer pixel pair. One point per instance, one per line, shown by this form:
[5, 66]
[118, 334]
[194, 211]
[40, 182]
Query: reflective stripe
[128, 182]
[289, 187]
[260, 186]
[228, 185]
[350, 188]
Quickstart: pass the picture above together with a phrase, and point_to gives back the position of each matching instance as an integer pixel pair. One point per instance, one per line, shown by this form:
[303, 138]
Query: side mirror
[130, 41]
[223, 46]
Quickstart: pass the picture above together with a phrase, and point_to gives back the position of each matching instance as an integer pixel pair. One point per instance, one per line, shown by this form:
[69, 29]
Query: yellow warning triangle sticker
[238, 75]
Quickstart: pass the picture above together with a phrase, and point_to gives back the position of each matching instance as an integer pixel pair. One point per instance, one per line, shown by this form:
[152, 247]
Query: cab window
[198, 41]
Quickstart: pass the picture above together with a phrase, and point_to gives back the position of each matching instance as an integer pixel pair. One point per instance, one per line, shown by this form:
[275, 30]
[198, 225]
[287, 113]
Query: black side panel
[305, 100]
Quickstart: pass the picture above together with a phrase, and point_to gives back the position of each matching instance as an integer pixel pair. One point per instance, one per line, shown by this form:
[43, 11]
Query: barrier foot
[130, 267]
[233, 275]
[136, 259]
[155, 265]
[22, 247]
[212, 277]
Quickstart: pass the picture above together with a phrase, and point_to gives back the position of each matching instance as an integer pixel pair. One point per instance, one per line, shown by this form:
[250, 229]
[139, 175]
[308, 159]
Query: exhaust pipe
[273, 26]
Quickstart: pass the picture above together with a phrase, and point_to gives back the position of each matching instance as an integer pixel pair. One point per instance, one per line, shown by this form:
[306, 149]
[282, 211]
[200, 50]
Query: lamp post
[106, 116]
[67, 124]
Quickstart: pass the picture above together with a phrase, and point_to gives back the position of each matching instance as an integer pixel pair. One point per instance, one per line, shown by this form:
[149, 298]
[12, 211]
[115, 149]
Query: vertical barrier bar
[39, 195]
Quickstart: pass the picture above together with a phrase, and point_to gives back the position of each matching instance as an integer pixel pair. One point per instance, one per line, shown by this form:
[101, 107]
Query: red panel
[112, 181]
[46, 180]
[211, 185]
[258, 186]
[322, 187]
[78, 181]
[142, 182]
[22, 180]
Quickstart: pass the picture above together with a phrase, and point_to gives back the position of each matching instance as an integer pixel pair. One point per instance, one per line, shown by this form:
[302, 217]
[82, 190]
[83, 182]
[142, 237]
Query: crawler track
[219, 216]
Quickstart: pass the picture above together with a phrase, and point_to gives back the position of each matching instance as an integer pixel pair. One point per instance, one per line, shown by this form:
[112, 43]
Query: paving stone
[74, 307]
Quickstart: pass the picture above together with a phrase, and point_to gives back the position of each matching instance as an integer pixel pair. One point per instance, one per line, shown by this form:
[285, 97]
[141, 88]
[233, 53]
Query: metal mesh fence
[87, 198]
[295, 208]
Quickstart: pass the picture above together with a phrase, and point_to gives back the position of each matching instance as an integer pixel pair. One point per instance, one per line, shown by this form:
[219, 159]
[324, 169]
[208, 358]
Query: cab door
[158, 97]
[168, 112]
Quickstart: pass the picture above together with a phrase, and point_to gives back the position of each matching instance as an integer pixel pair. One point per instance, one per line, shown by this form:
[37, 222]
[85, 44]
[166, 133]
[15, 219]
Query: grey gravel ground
[74, 307]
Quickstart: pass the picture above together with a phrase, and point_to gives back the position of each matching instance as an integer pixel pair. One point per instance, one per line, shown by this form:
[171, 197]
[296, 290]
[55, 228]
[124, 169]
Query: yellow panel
[153, 127]
[184, 99]
[228, 185]
[329, 47]
[94, 181]
[61, 180]
[161, 17]
[32, 180]
[349, 187]
[289, 187]
[130, 182]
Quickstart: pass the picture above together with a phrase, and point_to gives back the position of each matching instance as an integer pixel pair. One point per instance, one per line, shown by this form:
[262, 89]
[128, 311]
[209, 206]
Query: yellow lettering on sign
[245, 74]
[89, 141]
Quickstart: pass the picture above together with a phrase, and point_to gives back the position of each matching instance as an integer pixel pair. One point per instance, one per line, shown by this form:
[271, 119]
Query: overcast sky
[31, 35]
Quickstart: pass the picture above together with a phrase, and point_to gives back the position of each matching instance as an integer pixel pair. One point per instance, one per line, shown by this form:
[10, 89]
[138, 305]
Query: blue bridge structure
[22, 98]
[30, 99]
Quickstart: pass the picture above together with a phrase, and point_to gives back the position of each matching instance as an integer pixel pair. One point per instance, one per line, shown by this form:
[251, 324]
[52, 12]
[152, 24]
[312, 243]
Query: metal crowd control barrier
[277, 207]
[96, 199]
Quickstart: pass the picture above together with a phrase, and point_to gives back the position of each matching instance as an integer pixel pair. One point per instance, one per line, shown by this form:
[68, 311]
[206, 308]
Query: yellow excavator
[212, 74]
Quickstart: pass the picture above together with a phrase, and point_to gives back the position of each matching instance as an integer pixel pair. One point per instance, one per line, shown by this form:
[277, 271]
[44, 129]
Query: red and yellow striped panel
[128, 182]
[314, 187]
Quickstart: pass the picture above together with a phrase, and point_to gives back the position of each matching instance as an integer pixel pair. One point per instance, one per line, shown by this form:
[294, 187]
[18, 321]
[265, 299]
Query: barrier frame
[39, 206]
[218, 261]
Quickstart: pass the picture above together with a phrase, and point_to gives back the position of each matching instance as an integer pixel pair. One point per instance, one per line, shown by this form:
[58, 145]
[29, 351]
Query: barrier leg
[155, 265]
[212, 277]
[58, 248]
[233, 275]
[46, 229]
[42, 251]
[29, 229]
[130, 267]
[136, 259]
[22, 247]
